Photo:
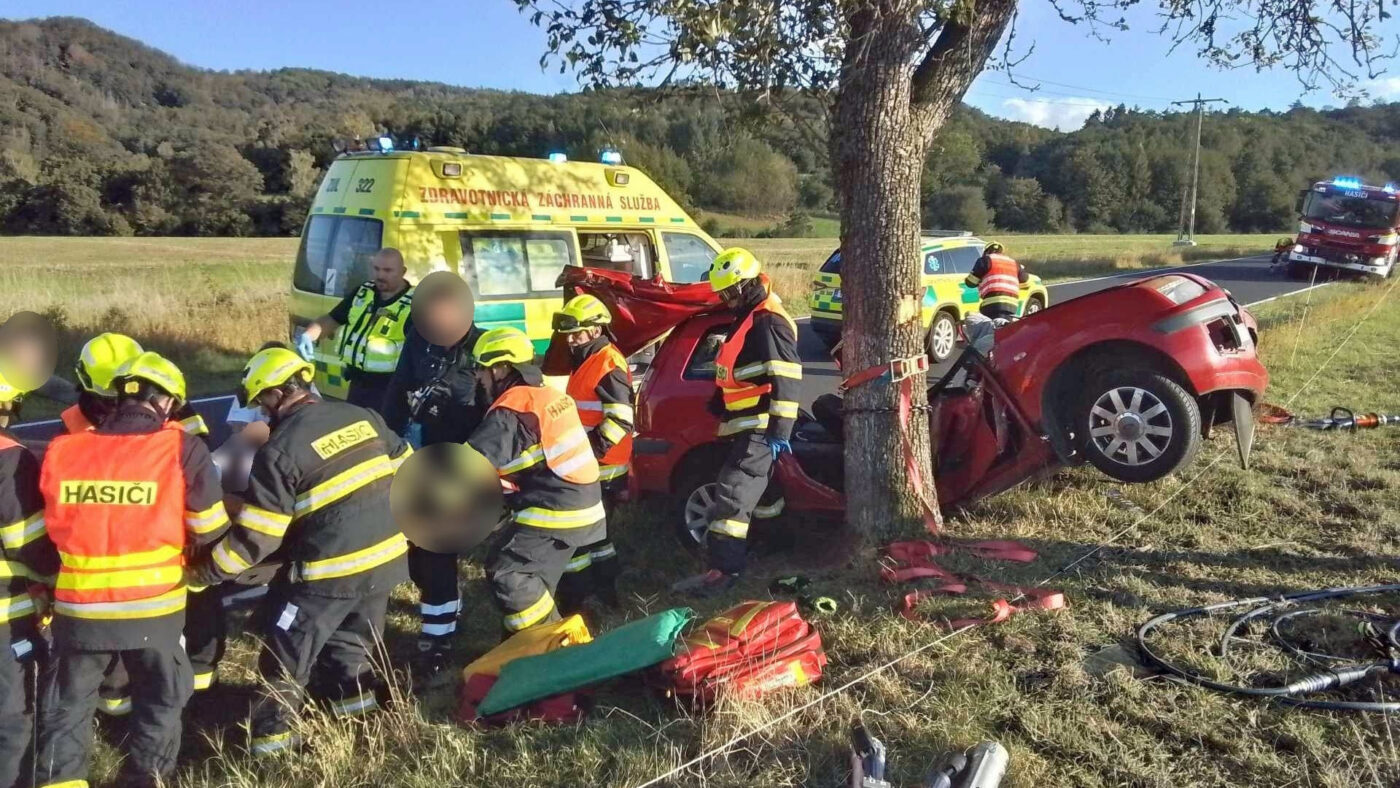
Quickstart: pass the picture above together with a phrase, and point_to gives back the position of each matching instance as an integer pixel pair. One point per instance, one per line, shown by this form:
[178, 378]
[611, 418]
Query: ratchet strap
[913, 560]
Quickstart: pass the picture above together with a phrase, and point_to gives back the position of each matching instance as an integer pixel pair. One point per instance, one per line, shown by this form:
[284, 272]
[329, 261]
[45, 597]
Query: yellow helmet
[99, 360]
[732, 266]
[993, 248]
[582, 311]
[9, 392]
[270, 368]
[503, 346]
[153, 368]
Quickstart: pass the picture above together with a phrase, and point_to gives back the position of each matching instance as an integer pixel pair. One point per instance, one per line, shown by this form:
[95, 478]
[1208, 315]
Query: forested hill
[100, 134]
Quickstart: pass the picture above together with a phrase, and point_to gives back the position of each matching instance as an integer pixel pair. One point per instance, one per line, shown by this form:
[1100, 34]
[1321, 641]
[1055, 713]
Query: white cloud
[1387, 88]
[1060, 114]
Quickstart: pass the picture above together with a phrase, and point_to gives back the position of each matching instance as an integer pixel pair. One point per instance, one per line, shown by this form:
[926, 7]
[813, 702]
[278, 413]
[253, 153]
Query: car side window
[702, 362]
[934, 264]
[961, 259]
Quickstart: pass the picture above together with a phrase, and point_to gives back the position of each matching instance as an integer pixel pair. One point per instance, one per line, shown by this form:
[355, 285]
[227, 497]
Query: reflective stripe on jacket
[611, 420]
[745, 388]
[371, 338]
[563, 442]
[1002, 282]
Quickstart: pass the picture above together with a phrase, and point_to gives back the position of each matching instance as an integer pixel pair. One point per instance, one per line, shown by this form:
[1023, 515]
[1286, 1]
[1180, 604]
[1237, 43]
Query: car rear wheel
[1138, 425]
[1033, 305]
[692, 515]
[942, 337]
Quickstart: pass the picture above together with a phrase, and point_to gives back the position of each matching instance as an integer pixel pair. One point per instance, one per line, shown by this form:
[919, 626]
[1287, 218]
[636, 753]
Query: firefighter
[124, 504]
[757, 374]
[435, 397]
[532, 435]
[319, 496]
[374, 321]
[998, 280]
[206, 629]
[28, 559]
[601, 386]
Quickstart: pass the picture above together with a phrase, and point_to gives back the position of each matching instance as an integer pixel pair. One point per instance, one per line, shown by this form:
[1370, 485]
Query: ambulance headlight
[452, 169]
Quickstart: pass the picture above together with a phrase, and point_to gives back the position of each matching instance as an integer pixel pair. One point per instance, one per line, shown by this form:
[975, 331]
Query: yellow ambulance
[508, 225]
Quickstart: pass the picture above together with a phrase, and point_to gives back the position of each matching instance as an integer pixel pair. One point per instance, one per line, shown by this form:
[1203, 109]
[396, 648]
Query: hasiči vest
[737, 394]
[563, 442]
[1002, 282]
[583, 387]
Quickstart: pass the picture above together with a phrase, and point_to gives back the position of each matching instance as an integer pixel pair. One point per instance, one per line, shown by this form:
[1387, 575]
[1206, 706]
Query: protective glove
[778, 446]
[200, 576]
[306, 346]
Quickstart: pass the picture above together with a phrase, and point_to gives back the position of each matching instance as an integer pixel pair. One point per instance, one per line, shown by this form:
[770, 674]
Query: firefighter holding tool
[998, 280]
[533, 437]
[318, 494]
[601, 386]
[27, 558]
[125, 504]
[757, 373]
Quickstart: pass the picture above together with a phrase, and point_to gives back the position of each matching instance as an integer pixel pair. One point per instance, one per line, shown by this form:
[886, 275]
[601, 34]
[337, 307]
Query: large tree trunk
[885, 113]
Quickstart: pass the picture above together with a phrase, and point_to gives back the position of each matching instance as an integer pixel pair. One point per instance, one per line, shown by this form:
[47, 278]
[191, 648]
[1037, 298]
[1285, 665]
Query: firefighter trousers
[739, 488]
[592, 571]
[161, 683]
[319, 645]
[524, 567]
[206, 631]
[18, 664]
[440, 598]
[368, 389]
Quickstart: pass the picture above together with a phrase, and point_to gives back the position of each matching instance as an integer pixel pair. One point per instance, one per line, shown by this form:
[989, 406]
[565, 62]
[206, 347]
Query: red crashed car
[1128, 379]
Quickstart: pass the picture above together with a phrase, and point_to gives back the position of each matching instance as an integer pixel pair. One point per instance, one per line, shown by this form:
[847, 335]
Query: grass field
[1316, 510]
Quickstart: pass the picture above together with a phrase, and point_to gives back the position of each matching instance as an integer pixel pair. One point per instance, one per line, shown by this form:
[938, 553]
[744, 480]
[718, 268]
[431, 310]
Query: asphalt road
[1248, 278]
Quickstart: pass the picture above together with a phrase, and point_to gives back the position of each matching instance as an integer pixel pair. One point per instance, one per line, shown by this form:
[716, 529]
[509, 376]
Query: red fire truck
[1345, 224]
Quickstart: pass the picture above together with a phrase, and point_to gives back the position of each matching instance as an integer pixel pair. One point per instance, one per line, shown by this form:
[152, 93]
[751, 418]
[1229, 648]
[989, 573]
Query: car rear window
[702, 360]
[833, 263]
[334, 254]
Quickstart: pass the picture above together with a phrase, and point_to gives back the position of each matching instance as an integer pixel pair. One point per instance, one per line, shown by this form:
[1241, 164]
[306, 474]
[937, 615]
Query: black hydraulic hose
[1317, 682]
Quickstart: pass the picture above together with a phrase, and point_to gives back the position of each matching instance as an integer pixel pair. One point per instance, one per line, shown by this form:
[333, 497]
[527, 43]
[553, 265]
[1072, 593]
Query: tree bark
[895, 91]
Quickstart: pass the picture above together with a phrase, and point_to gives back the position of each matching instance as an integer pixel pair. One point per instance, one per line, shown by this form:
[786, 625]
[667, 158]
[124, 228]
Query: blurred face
[581, 338]
[388, 271]
[443, 322]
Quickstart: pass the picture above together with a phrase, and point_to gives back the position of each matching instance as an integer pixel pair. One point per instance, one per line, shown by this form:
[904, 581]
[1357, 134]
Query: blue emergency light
[1389, 188]
[610, 156]
[558, 158]
[1347, 181]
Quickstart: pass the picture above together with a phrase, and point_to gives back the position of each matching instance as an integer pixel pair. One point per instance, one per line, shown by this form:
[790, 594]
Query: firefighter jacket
[189, 420]
[436, 387]
[757, 372]
[27, 556]
[124, 504]
[532, 435]
[998, 280]
[319, 491]
[601, 385]
[372, 332]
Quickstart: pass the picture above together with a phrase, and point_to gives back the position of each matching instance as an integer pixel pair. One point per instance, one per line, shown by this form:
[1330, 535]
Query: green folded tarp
[628, 648]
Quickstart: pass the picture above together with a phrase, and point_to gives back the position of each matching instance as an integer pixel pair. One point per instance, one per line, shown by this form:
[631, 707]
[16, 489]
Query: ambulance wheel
[1138, 425]
[692, 516]
[942, 337]
[1033, 305]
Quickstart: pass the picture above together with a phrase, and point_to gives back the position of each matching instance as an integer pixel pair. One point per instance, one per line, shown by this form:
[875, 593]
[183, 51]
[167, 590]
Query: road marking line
[1290, 293]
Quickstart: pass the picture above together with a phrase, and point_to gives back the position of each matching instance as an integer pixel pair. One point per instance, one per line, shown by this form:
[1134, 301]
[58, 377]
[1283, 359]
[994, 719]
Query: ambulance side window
[631, 253]
[689, 255]
[507, 263]
[334, 255]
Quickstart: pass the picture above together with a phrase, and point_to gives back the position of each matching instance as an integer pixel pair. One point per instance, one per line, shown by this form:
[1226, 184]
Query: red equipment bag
[563, 709]
[749, 650]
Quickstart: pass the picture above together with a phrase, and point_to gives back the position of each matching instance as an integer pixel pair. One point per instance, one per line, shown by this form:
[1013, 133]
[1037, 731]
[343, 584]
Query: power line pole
[1187, 235]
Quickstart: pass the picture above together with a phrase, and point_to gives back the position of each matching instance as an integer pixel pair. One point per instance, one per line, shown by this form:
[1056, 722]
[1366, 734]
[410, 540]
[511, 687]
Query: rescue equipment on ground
[799, 588]
[913, 560]
[748, 651]
[629, 648]
[981, 767]
[480, 676]
[1339, 419]
[1280, 617]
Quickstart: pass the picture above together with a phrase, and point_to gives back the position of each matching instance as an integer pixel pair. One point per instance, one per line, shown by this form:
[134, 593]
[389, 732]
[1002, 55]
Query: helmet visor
[564, 323]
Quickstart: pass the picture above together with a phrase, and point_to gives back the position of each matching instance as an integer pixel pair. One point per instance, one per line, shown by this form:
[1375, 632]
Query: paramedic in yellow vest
[533, 437]
[757, 375]
[373, 322]
[998, 280]
[601, 387]
[125, 504]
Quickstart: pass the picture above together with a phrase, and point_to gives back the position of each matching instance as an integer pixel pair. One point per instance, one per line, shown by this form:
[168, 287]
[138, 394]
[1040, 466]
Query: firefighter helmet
[582, 311]
[993, 248]
[270, 368]
[99, 360]
[503, 346]
[149, 368]
[9, 392]
[732, 266]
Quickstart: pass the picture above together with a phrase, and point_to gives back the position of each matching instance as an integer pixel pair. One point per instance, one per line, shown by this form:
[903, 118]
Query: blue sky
[488, 43]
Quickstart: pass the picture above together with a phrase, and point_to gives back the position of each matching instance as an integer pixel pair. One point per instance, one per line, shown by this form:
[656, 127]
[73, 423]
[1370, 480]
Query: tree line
[101, 135]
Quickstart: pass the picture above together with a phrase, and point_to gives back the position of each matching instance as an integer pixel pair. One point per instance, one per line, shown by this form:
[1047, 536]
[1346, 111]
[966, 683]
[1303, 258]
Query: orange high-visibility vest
[738, 394]
[74, 421]
[583, 387]
[114, 506]
[563, 443]
[1002, 282]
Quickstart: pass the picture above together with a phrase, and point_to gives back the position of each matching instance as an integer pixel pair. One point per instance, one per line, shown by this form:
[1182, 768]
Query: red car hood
[642, 309]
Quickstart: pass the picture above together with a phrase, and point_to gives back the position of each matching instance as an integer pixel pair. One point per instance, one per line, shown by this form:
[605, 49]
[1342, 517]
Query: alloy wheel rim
[697, 509]
[1130, 425]
[945, 335]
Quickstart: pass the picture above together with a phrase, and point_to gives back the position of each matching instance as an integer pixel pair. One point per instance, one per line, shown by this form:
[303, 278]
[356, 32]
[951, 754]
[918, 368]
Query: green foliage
[958, 208]
[1023, 206]
[748, 176]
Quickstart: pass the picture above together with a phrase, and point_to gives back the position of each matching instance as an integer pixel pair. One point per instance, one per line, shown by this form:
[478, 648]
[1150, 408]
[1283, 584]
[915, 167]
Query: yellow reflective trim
[530, 456]
[264, 745]
[734, 528]
[612, 431]
[115, 707]
[93, 563]
[607, 473]
[783, 409]
[207, 521]
[203, 681]
[228, 559]
[785, 369]
[403, 455]
[770, 511]
[579, 563]
[67, 784]
[344, 483]
[735, 426]
[531, 615]
[619, 410]
[743, 404]
[264, 521]
[17, 606]
[124, 578]
[165, 604]
[363, 703]
[194, 425]
[19, 534]
[540, 517]
[356, 562]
